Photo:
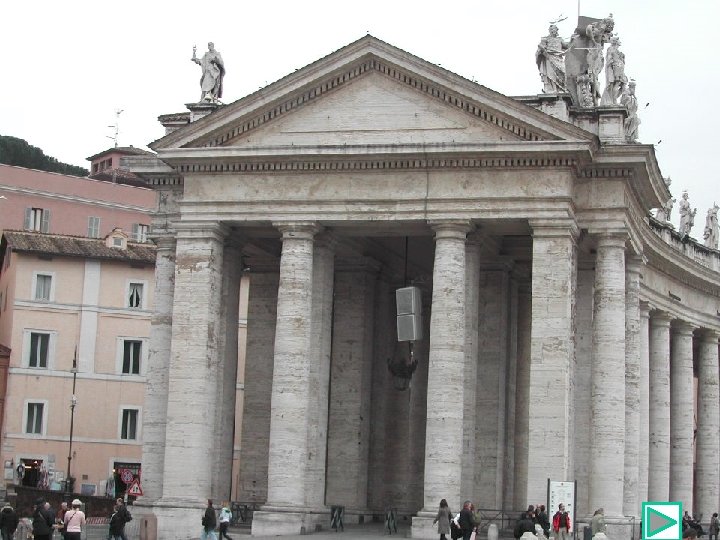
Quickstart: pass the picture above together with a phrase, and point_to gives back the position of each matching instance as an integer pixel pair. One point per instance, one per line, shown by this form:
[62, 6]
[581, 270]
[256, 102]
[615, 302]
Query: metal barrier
[391, 520]
[242, 513]
[336, 517]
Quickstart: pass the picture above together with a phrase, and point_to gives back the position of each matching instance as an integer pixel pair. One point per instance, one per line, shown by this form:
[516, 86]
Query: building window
[43, 287]
[39, 348]
[132, 351]
[140, 232]
[34, 420]
[135, 295]
[128, 428]
[37, 219]
[93, 227]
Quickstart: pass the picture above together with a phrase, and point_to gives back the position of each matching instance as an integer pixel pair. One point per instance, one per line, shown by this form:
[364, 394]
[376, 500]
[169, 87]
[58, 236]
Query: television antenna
[116, 127]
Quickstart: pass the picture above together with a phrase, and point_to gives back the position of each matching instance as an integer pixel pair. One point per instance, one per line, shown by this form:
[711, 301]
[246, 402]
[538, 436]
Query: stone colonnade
[504, 384]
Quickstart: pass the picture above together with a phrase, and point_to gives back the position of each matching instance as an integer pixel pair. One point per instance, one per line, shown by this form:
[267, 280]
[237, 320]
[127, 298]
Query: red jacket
[557, 523]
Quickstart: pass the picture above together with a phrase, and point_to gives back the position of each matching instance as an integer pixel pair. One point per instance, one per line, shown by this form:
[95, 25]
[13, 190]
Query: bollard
[492, 533]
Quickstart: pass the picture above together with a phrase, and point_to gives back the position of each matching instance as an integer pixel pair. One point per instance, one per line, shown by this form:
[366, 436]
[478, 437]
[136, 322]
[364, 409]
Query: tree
[14, 151]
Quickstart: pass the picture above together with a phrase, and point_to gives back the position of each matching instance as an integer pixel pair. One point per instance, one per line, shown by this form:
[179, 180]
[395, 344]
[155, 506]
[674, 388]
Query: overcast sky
[68, 66]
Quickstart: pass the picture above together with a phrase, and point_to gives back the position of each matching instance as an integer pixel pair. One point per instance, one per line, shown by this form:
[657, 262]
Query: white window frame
[140, 232]
[37, 219]
[93, 227]
[33, 293]
[143, 298]
[121, 354]
[138, 425]
[26, 347]
[26, 407]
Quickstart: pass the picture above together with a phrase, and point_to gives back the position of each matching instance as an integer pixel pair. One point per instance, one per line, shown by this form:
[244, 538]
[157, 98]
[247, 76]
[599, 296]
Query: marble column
[195, 366]
[157, 372]
[446, 377]
[631, 506]
[285, 510]
[681, 414]
[508, 495]
[607, 432]
[707, 467]
[350, 381]
[659, 425]
[644, 394]
[552, 355]
[522, 396]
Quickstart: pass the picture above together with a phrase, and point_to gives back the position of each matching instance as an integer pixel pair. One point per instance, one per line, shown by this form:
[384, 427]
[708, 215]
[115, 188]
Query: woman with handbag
[74, 521]
[443, 519]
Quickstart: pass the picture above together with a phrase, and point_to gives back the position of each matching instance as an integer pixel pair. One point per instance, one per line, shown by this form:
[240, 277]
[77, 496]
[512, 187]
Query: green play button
[662, 520]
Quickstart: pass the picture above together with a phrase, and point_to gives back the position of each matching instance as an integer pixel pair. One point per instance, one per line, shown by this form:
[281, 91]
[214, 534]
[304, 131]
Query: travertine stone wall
[707, 467]
[287, 463]
[350, 384]
[510, 386]
[157, 371]
[631, 506]
[522, 396]
[583, 368]
[682, 409]
[644, 395]
[322, 310]
[607, 433]
[262, 316]
[195, 363]
[446, 384]
[226, 384]
[472, 288]
[659, 426]
[491, 390]
[552, 356]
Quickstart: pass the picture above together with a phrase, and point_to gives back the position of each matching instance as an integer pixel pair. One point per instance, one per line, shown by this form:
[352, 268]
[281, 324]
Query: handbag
[472, 535]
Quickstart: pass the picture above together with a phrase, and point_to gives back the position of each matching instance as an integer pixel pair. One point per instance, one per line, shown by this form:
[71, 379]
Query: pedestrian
[224, 520]
[74, 521]
[42, 520]
[117, 523]
[209, 522]
[124, 516]
[60, 519]
[8, 522]
[467, 520]
[714, 526]
[443, 519]
[541, 518]
[524, 524]
[562, 525]
[597, 523]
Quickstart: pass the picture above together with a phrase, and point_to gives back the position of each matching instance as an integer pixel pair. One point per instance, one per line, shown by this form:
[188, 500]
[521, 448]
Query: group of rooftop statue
[213, 71]
[573, 67]
[711, 233]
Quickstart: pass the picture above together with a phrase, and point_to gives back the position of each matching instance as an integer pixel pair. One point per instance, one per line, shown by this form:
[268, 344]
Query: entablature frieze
[663, 310]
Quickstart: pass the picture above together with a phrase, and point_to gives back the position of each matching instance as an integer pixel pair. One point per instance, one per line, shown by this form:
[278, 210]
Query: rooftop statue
[551, 62]
[584, 59]
[632, 122]
[663, 213]
[687, 215]
[213, 71]
[712, 232]
[615, 79]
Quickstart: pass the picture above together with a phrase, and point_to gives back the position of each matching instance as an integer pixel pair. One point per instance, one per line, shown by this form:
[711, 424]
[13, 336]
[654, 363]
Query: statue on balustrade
[663, 213]
[711, 227]
[687, 215]
[550, 58]
[632, 122]
[615, 79]
[213, 72]
[584, 59]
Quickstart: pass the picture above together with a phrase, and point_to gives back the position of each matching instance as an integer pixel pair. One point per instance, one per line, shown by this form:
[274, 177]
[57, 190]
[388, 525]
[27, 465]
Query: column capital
[197, 230]
[326, 239]
[660, 318]
[708, 335]
[634, 263]
[644, 309]
[451, 228]
[611, 239]
[554, 228]
[164, 242]
[301, 230]
[682, 328]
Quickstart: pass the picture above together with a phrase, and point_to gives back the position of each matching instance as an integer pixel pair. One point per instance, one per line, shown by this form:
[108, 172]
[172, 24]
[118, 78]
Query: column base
[423, 526]
[285, 521]
[180, 519]
[620, 528]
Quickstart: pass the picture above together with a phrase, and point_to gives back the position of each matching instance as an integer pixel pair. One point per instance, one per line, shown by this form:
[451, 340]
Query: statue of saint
[551, 63]
[213, 71]
[598, 34]
[632, 122]
[615, 79]
[687, 215]
[711, 232]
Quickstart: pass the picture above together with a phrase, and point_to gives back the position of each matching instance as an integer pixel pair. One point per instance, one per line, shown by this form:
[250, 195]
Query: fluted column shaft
[446, 372]
[632, 386]
[157, 371]
[707, 467]
[644, 410]
[291, 374]
[681, 414]
[607, 434]
[659, 425]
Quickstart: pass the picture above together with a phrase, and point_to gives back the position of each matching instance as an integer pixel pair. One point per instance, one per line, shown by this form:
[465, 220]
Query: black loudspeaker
[409, 313]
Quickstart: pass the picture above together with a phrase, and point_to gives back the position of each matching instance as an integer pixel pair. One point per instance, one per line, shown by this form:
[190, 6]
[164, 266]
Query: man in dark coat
[123, 516]
[209, 522]
[467, 520]
[43, 521]
[8, 522]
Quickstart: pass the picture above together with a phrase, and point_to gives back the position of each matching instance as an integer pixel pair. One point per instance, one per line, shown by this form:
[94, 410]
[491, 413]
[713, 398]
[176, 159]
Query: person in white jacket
[224, 520]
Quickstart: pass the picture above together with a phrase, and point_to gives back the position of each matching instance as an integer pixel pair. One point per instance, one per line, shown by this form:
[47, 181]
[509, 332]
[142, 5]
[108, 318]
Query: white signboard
[561, 492]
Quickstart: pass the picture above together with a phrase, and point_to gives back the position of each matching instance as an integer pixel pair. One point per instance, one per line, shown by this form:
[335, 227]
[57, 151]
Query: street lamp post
[73, 403]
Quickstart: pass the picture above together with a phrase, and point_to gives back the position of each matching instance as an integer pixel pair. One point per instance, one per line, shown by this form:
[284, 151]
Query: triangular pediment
[371, 93]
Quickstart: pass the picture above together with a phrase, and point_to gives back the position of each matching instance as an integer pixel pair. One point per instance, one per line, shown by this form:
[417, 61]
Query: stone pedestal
[200, 110]
[285, 521]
